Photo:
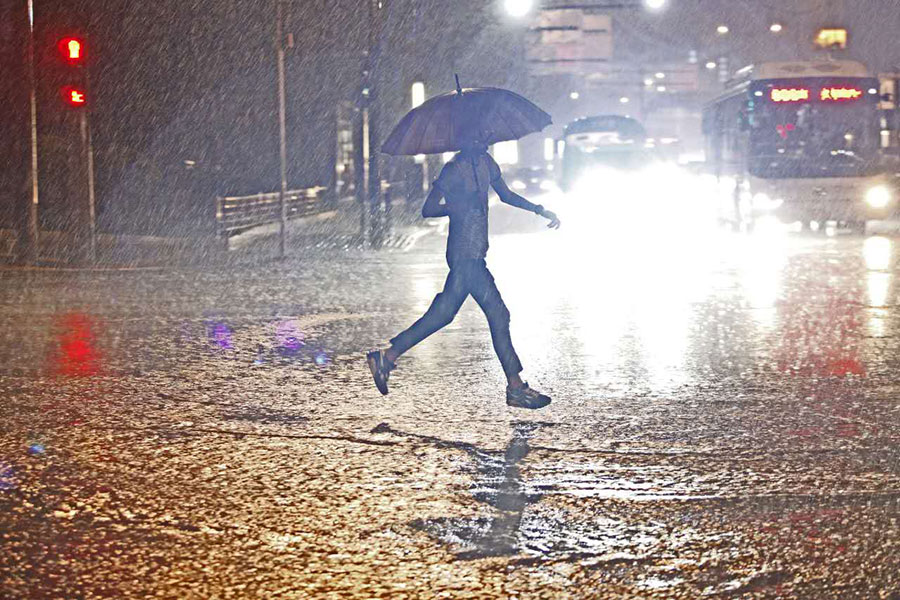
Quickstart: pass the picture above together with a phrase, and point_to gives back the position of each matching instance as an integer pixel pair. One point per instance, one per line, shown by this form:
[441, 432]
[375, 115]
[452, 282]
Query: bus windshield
[820, 137]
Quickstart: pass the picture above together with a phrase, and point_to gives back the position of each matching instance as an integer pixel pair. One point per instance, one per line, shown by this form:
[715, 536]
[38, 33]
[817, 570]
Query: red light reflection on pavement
[77, 355]
[821, 340]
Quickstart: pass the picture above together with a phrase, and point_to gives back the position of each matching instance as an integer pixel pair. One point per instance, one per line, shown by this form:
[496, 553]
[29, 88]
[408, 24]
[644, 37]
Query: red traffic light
[71, 50]
[74, 96]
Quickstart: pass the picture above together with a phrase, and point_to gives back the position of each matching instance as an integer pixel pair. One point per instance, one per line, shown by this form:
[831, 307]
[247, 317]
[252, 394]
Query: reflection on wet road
[724, 422]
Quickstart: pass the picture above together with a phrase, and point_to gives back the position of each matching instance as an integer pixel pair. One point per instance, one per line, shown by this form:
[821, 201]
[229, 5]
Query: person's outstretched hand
[551, 216]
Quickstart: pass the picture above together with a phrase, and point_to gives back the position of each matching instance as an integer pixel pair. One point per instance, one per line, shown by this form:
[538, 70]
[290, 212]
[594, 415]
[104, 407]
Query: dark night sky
[195, 80]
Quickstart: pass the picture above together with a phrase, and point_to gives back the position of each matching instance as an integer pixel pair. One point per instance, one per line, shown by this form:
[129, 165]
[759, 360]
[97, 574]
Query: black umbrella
[446, 122]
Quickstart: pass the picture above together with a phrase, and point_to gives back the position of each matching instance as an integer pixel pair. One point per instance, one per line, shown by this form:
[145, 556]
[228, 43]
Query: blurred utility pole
[282, 136]
[360, 153]
[21, 102]
[367, 140]
[376, 228]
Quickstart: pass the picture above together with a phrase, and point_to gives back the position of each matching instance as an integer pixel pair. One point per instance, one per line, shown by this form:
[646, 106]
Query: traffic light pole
[282, 135]
[88, 145]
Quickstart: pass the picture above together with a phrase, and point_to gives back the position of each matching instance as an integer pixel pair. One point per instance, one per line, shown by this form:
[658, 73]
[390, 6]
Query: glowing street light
[520, 8]
[549, 149]
[574, 95]
[722, 29]
[624, 100]
[776, 28]
[711, 65]
[418, 94]
[517, 8]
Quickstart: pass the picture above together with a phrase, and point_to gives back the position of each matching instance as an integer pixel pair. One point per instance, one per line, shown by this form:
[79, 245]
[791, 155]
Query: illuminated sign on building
[832, 39]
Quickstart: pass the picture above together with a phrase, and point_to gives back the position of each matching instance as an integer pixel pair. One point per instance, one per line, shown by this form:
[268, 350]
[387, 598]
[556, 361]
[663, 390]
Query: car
[530, 180]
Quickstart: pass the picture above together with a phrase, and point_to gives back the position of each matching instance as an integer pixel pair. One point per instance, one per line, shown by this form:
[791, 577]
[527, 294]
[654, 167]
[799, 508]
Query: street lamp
[417, 93]
[722, 29]
[776, 28]
[517, 8]
[520, 8]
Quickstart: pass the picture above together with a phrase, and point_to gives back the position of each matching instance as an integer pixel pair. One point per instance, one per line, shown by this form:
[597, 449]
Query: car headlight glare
[762, 201]
[878, 196]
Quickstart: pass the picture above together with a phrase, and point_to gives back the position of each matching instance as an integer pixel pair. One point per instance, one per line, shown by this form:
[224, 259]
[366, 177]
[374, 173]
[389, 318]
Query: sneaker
[525, 397]
[381, 369]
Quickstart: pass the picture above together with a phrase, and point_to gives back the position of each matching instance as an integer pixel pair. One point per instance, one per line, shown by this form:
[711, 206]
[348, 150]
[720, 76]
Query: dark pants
[465, 278]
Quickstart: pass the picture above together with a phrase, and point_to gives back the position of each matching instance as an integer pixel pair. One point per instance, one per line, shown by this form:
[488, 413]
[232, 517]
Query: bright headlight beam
[878, 196]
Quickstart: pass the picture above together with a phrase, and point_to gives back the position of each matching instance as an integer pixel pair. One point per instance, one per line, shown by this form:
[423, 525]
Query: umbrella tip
[458, 87]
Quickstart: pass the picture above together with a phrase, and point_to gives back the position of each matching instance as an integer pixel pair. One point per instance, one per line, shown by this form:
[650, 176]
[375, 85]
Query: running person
[463, 186]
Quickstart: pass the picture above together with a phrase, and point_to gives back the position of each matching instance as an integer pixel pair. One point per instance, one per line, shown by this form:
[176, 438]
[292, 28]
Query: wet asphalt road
[725, 423]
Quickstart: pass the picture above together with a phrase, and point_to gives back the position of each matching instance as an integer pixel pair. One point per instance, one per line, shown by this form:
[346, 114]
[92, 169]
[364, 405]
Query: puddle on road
[517, 523]
[533, 533]
[265, 416]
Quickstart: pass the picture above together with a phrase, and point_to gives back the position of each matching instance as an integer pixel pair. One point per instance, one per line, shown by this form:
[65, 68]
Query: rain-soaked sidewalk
[339, 228]
[724, 425]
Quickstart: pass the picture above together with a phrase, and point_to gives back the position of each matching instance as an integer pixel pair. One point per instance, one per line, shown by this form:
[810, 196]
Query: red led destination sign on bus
[840, 94]
[828, 94]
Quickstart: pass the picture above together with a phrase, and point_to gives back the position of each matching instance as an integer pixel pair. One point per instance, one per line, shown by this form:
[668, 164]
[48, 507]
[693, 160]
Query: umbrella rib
[427, 132]
[400, 132]
[412, 132]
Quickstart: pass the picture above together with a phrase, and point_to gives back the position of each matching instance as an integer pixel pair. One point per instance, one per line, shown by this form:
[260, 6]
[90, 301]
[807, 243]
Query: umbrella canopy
[446, 122]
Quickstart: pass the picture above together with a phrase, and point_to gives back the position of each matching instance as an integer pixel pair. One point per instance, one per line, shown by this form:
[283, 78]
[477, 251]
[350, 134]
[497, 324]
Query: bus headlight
[878, 196]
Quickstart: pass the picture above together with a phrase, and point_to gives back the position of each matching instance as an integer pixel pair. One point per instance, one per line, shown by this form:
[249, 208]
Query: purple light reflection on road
[7, 477]
[36, 449]
[220, 334]
[288, 336]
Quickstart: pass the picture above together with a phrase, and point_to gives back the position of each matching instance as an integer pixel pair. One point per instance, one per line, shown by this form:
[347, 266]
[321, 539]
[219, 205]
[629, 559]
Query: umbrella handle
[458, 87]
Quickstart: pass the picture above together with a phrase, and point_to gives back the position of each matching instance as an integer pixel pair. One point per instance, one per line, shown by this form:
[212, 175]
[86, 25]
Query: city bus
[603, 141]
[799, 141]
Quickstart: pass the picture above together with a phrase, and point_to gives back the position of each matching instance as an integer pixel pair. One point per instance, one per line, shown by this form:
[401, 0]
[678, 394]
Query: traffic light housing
[74, 96]
[71, 51]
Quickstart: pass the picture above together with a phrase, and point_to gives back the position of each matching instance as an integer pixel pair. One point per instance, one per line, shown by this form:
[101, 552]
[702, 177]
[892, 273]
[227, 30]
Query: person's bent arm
[433, 206]
[507, 196]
